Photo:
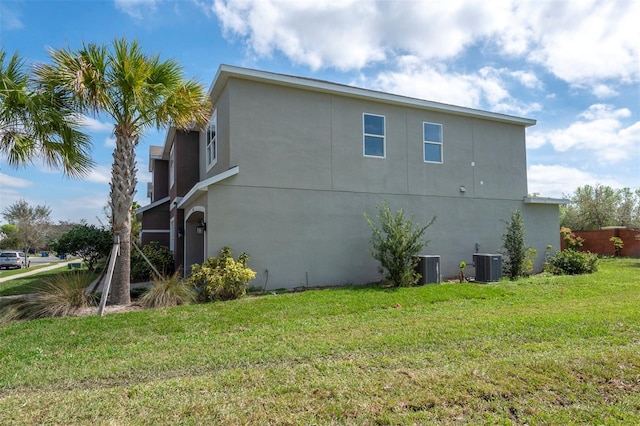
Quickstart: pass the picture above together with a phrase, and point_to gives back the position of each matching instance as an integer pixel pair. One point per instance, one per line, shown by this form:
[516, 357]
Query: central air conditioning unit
[488, 267]
[429, 269]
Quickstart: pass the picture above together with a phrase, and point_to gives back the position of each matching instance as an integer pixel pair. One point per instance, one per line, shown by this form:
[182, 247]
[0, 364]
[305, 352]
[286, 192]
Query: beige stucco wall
[297, 204]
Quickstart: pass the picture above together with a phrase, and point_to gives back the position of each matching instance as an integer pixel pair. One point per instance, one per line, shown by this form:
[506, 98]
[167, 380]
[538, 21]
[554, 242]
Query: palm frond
[37, 121]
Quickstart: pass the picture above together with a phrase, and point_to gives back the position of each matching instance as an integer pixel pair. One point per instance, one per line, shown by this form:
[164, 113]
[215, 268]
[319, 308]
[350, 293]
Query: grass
[31, 283]
[544, 350]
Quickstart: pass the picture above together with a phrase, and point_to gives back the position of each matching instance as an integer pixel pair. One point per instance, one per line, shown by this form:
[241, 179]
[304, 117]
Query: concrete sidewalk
[37, 271]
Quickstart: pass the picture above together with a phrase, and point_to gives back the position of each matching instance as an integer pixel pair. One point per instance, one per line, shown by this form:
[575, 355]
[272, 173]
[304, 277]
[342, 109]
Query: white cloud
[599, 129]
[603, 91]
[560, 180]
[604, 111]
[9, 19]
[100, 174]
[110, 142]
[94, 125]
[136, 9]
[415, 78]
[578, 41]
[7, 181]
[527, 78]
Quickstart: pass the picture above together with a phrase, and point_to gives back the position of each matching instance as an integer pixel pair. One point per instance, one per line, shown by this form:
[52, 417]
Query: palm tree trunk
[123, 188]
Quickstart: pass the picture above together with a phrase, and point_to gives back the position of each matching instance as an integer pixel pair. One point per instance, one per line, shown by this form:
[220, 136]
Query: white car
[14, 259]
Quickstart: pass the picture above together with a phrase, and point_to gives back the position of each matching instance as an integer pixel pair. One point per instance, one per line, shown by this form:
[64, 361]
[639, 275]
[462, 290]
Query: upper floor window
[432, 136]
[212, 140]
[172, 166]
[373, 135]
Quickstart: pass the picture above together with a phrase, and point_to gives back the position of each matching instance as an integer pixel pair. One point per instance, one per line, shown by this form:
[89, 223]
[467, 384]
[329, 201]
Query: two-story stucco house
[288, 166]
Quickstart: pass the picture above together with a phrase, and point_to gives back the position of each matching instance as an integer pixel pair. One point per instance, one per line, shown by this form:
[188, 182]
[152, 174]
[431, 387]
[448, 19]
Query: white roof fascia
[545, 200]
[227, 71]
[153, 205]
[203, 185]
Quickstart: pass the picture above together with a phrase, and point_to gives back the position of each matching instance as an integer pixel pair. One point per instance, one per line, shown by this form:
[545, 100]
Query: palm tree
[138, 92]
[37, 121]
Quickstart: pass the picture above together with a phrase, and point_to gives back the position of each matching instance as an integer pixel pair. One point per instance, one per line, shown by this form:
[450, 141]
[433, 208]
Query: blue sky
[574, 66]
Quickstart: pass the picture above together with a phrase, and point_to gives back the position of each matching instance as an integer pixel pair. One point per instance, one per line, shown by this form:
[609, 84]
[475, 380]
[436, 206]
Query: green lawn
[545, 350]
[30, 283]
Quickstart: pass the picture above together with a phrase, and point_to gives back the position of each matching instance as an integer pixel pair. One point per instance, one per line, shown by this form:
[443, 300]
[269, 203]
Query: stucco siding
[280, 136]
[290, 138]
[316, 237]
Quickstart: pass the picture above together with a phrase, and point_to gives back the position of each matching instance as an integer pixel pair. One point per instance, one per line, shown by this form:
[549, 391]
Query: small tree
[513, 244]
[396, 242]
[618, 244]
[87, 241]
[32, 223]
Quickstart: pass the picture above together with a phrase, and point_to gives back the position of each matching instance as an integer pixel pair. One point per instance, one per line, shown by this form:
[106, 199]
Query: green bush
[87, 241]
[395, 243]
[222, 277]
[571, 262]
[160, 256]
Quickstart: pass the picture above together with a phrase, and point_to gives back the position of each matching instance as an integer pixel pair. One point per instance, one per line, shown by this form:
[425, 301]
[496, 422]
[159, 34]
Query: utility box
[429, 269]
[488, 267]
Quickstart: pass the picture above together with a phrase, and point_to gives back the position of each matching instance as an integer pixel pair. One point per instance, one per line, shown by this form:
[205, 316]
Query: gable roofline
[225, 72]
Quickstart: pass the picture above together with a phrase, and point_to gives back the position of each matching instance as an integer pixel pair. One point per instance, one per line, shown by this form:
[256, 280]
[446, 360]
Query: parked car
[14, 259]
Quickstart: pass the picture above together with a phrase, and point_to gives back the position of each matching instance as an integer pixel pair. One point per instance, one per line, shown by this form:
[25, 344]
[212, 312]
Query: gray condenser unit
[429, 269]
[488, 267]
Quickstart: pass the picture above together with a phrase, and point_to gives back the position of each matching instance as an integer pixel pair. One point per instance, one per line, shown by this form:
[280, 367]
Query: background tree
[514, 246]
[36, 121]
[138, 92]
[87, 241]
[32, 223]
[8, 237]
[628, 208]
[396, 242]
[594, 207]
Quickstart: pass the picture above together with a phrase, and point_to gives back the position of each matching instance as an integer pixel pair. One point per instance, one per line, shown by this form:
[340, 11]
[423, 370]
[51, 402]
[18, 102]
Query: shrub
[168, 292]
[571, 262]
[62, 295]
[514, 249]
[160, 256]
[87, 241]
[530, 256]
[396, 244]
[222, 277]
[571, 240]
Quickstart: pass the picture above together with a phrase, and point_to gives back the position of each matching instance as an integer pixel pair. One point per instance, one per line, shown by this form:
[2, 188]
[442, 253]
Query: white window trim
[172, 166]
[214, 161]
[384, 136]
[425, 142]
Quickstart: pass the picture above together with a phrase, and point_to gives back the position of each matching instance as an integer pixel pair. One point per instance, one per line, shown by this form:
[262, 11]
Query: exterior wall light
[180, 232]
[201, 226]
[463, 189]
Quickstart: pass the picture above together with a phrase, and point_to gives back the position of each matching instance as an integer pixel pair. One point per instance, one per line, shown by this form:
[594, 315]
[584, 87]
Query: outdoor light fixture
[180, 232]
[200, 227]
[463, 189]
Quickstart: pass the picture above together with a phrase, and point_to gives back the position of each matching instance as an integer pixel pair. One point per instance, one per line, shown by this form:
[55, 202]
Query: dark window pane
[433, 152]
[374, 146]
[432, 132]
[374, 125]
